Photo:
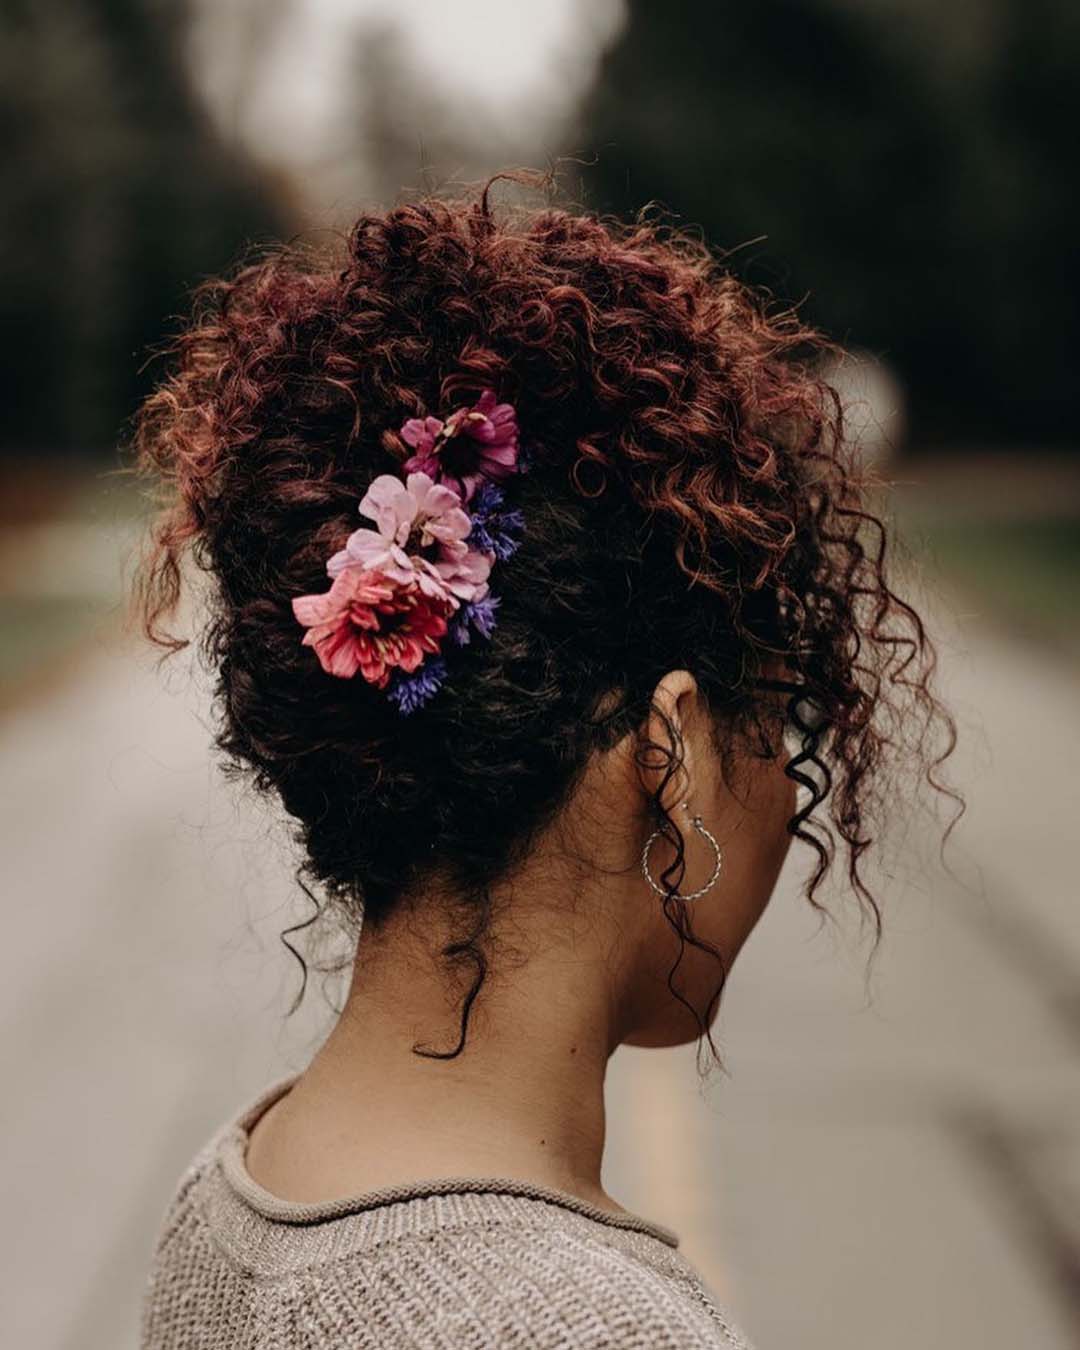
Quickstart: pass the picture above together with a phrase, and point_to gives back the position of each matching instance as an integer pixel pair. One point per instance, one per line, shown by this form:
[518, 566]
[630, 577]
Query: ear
[677, 696]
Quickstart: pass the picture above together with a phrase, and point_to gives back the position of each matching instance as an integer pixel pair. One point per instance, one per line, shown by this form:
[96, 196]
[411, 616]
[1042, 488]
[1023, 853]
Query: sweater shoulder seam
[523, 1224]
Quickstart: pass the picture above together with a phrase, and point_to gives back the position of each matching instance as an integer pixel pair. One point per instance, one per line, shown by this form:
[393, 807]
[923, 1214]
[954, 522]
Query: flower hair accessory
[416, 578]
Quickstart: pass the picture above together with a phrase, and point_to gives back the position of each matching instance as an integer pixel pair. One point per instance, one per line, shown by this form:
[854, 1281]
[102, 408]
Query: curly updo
[690, 504]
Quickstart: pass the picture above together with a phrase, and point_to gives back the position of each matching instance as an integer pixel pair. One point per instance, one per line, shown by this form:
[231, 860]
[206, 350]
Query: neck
[524, 1099]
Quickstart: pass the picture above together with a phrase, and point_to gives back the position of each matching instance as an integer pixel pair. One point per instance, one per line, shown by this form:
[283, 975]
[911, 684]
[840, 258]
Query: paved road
[904, 1173]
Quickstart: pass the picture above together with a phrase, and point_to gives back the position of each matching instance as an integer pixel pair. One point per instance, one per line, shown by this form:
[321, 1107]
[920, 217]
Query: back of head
[688, 503]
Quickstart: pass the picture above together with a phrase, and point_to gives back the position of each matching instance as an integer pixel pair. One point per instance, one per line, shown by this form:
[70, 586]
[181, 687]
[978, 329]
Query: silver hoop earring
[696, 821]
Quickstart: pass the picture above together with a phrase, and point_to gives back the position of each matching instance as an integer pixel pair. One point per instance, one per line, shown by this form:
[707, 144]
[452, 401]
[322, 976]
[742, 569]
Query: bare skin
[579, 966]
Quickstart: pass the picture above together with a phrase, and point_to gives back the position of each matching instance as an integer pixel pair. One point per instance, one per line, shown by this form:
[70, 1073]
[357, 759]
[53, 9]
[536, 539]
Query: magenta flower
[473, 443]
[371, 623]
[421, 433]
[419, 536]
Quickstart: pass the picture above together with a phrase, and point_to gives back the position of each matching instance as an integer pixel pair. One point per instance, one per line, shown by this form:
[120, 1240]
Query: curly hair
[691, 503]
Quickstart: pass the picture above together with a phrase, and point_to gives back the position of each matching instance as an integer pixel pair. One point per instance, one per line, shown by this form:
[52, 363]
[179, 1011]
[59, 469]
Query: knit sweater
[453, 1264]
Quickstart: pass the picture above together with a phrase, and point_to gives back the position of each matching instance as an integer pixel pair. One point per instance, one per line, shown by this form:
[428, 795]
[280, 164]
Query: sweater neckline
[232, 1155]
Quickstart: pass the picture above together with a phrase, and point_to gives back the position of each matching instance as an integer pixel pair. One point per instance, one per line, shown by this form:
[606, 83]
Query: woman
[546, 600]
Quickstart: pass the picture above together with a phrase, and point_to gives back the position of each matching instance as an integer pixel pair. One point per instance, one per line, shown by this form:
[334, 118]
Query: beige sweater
[459, 1264]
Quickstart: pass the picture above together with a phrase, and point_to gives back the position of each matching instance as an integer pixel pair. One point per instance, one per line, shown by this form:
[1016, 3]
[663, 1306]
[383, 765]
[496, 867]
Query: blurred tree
[119, 196]
[914, 185]
[402, 133]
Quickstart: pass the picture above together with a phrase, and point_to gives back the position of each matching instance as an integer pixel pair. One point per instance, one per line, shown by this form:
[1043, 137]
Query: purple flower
[473, 614]
[482, 614]
[410, 692]
[493, 529]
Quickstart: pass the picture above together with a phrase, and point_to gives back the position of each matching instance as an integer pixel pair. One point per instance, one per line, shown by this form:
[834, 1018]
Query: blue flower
[457, 630]
[478, 614]
[412, 691]
[494, 530]
[482, 614]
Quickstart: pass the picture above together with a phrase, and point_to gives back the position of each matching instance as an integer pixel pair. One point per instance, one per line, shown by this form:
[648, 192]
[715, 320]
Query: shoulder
[502, 1284]
[567, 1282]
[445, 1268]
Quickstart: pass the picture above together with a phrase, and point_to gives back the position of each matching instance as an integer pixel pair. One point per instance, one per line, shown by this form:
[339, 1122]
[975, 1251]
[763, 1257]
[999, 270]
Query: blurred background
[886, 1163]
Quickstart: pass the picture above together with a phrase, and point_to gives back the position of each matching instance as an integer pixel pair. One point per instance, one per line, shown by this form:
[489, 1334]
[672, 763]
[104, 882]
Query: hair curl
[691, 504]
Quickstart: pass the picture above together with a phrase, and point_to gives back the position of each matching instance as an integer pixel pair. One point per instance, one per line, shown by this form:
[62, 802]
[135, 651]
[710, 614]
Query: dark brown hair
[691, 503]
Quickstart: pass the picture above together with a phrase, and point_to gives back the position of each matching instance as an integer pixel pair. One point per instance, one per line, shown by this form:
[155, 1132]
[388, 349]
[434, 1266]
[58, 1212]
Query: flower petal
[391, 505]
[420, 432]
[314, 609]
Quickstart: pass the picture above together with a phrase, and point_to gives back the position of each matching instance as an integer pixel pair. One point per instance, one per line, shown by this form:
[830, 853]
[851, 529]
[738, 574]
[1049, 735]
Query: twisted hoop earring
[696, 821]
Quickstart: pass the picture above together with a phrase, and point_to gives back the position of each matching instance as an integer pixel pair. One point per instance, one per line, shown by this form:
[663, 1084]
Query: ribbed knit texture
[452, 1264]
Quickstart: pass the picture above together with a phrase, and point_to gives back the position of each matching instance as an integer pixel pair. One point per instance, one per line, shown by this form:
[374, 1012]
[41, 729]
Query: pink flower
[369, 622]
[419, 536]
[473, 443]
